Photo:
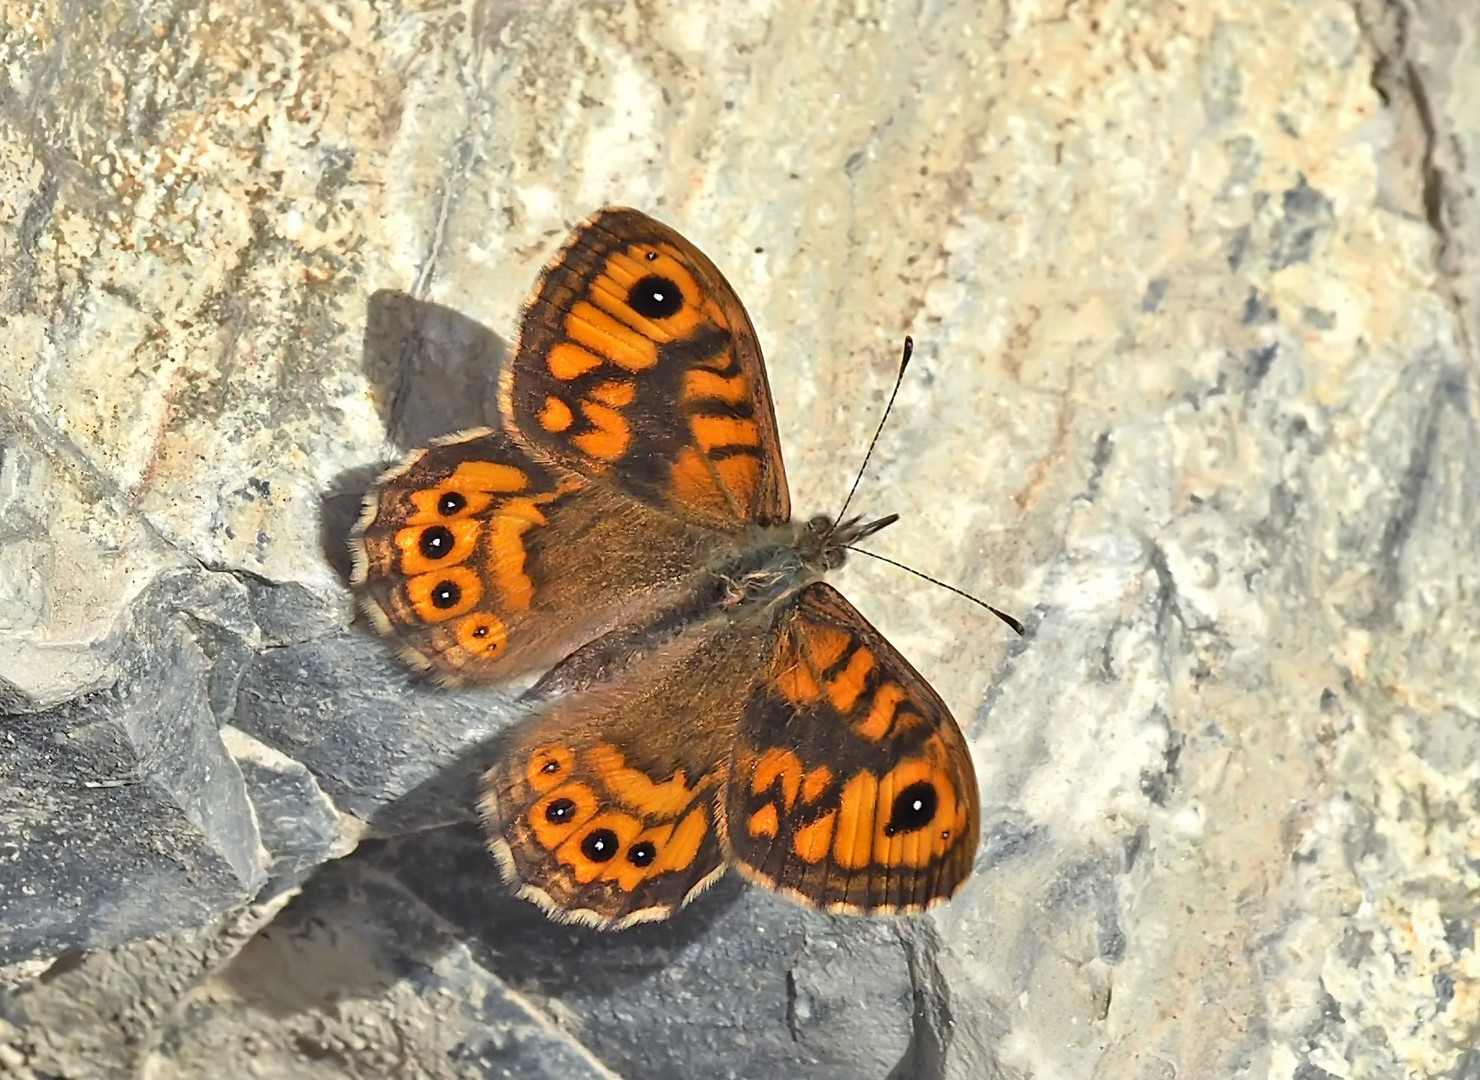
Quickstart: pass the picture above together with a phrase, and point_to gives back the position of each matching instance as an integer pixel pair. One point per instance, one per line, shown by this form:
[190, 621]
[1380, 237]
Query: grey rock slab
[741, 983]
[49, 1023]
[357, 977]
[388, 748]
[121, 812]
[72, 558]
[299, 826]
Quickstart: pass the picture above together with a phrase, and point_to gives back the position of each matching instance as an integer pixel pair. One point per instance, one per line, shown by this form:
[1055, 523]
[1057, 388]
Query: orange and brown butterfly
[710, 701]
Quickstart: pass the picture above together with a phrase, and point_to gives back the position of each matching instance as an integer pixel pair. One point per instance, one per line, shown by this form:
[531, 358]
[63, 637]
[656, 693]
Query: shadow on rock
[432, 371]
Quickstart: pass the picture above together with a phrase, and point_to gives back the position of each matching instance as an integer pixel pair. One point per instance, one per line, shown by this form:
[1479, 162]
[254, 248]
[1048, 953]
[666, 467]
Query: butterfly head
[825, 541]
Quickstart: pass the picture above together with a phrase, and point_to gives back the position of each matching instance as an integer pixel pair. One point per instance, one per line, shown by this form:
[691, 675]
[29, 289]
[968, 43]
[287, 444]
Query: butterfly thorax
[779, 560]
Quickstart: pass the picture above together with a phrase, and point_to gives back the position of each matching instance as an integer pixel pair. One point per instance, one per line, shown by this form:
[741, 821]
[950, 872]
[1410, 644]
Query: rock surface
[1194, 291]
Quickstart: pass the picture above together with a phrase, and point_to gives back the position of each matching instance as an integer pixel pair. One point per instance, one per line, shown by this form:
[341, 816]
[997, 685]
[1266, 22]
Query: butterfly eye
[451, 502]
[913, 808]
[599, 845]
[655, 297]
[435, 542]
[642, 854]
[559, 810]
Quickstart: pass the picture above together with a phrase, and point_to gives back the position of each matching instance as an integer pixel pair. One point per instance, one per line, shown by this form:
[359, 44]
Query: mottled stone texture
[1194, 290]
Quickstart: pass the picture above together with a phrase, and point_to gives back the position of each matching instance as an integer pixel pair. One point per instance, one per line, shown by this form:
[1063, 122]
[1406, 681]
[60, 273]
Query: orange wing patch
[764, 822]
[780, 768]
[642, 298]
[467, 493]
[610, 340]
[609, 434]
[816, 783]
[648, 288]
[556, 416]
[633, 788]
[483, 635]
[701, 385]
[719, 432]
[568, 362]
[812, 841]
[616, 395]
[818, 659]
[717, 487]
[678, 849]
[854, 848]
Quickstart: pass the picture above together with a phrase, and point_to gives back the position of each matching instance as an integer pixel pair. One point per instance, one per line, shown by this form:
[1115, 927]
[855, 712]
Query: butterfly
[708, 700]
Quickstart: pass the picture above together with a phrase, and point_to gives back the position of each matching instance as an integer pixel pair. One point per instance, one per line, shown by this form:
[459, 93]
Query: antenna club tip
[1009, 620]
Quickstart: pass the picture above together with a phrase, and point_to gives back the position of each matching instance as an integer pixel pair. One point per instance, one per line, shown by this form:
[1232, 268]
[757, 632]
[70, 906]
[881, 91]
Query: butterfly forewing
[638, 366]
[852, 786]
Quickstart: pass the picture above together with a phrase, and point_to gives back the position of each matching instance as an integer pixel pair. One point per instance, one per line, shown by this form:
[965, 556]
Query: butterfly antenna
[904, 362]
[872, 527]
[1008, 619]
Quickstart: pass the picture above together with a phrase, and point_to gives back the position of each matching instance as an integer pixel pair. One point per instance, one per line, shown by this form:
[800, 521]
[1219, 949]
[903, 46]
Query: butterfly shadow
[431, 371]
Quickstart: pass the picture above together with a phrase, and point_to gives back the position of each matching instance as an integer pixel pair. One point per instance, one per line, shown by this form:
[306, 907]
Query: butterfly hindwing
[466, 555]
[638, 366]
[604, 808]
[852, 787]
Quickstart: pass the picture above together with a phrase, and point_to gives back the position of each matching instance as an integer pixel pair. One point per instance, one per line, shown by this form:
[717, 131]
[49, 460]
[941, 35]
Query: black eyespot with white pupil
[655, 297]
[642, 854]
[599, 845]
[435, 542]
[559, 810]
[913, 809]
[451, 503]
[445, 594]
